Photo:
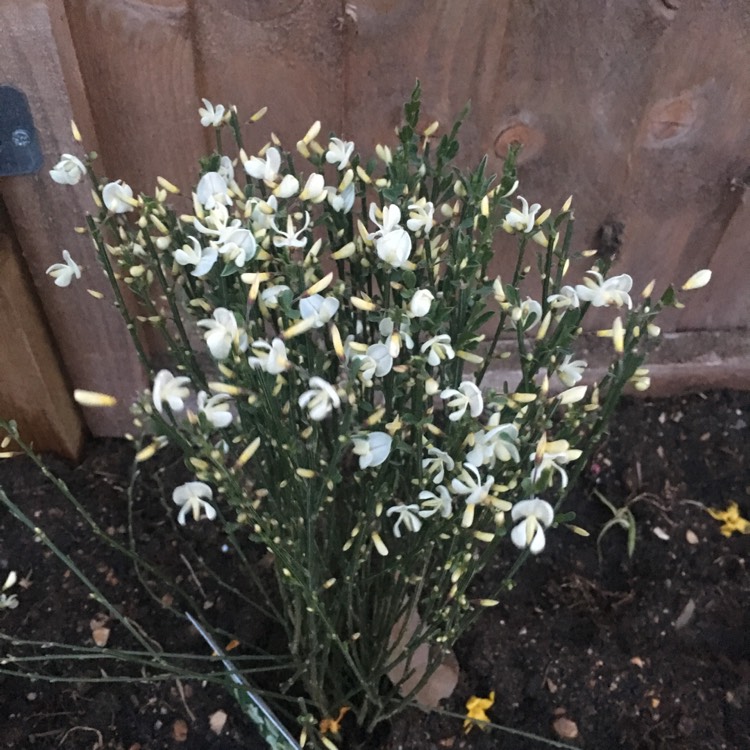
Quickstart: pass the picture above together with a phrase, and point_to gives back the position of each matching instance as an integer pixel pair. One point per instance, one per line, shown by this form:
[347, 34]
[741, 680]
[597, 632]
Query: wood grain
[33, 388]
[94, 345]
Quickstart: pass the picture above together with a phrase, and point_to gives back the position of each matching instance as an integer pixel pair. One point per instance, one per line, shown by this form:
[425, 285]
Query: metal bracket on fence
[19, 145]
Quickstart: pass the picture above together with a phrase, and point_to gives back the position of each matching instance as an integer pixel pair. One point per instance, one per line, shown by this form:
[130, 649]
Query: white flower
[602, 293]
[697, 280]
[63, 273]
[436, 463]
[264, 169]
[223, 331]
[550, 457]
[570, 372]
[290, 238]
[216, 221]
[421, 216]
[263, 219]
[68, 171]
[566, 298]
[288, 187]
[442, 502]
[226, 169]
[320, 400]
[572, 395]
[381, 357]
[215, 408]
[9, 601]
[211, 116]
[194, 497]
[314, 189]
[212, 190]
[171, 389]
[408, 515]
[321, 309]
[237, 244]
[497, 443]
[467, 395]
[372, 449]
[339, 152]
[203, 258]
[117, 197]
[270, 295]
[391, 216]
[269, 357]
[341, 202]
[394, 248]
[420, 303]
[537, 515]
[527, 314]
[470, 483]
[521, 220]
[396, 338]
[439, 348]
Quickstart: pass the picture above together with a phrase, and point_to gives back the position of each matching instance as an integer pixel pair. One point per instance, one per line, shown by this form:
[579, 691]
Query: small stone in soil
[217, 720]
[691, 537]
[180, 730]
[565, 728]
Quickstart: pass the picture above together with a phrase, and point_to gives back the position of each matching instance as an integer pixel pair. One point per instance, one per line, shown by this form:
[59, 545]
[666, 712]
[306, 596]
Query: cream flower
[314, 189]
[396, 338]
[269, 357]
[390, 215]
[343, 201]
[420, 303]
[193, 497]
[408, 515]
[290, 238]
[527, 314]
[497, 443]
[288, 187]
[320, 400]
[551, 457]
[212, 190]
[432, 503]
[470, 483]
[339, 152]
[170, 389]
[321, 309]
[468, 396]
[222, 332]
[570, 372]
[117, 197]
[537, 515]
[266, 169]
[566, 298]
[436, 463]
[394, 248]
[698, 280]
[211, 116]
[439, 348]
[523, 219]
[63, 273]
[237, 244]
[382, 359]
[203, 258]
[215, 409]
[602, 292]
[70, 170]
[270, 295]
[373, 449]
[421, 216]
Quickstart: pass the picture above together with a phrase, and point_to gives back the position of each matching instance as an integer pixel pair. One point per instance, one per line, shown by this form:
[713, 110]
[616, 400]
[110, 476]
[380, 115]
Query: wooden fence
[641, 109]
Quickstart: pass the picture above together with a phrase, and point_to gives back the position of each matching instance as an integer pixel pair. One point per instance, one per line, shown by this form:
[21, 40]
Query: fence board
[137, 61]
[45, 412]
[284, 55]
[96, 349]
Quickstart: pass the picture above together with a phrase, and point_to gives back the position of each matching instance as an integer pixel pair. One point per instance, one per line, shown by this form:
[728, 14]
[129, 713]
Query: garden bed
[648, 652]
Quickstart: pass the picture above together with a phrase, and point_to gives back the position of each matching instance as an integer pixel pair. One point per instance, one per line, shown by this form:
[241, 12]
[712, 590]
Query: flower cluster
[328, 392]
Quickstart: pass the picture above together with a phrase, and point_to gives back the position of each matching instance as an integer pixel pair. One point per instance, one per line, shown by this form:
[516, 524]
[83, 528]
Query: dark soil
[647, 652]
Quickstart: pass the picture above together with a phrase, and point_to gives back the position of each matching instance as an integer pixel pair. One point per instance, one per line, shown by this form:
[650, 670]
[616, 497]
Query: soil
[593, 648]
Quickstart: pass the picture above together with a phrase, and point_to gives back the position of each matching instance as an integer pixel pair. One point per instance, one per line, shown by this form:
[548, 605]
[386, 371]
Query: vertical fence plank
[91, 337]
[285, 55]
[33, 388]
[138, 65]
